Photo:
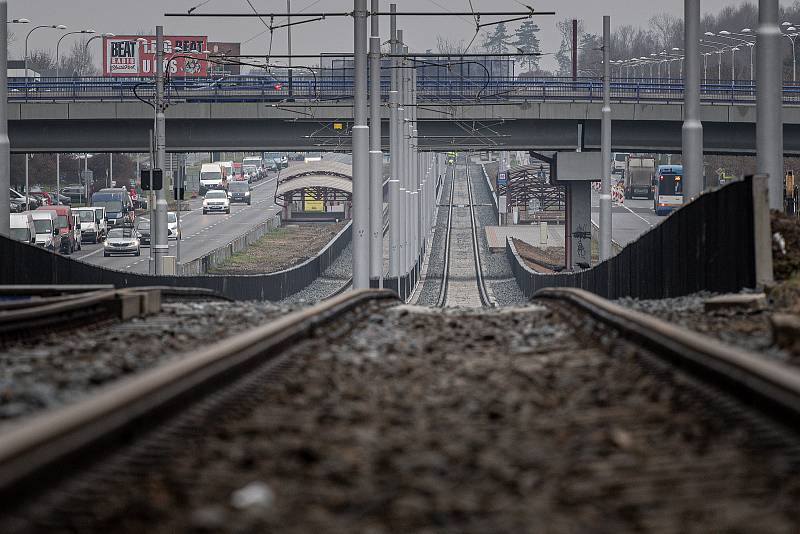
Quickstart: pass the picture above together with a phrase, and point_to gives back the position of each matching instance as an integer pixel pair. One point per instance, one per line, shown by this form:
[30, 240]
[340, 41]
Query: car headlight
[205, 203]
[247, 194]
[106, 243]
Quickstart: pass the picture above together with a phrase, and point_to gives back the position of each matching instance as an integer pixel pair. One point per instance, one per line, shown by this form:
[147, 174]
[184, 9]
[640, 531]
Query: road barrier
[22, 263]
[217, 257]
[709, 244]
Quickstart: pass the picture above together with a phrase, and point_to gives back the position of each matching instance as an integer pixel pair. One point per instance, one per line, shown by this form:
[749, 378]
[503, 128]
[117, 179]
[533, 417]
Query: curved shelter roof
[328, 168]
[324, 180]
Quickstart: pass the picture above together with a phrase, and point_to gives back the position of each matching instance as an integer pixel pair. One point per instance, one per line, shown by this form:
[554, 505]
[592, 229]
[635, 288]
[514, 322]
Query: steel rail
[765, 383]
[52, 314]
[50, 447]
[476, 249]
[441, 302]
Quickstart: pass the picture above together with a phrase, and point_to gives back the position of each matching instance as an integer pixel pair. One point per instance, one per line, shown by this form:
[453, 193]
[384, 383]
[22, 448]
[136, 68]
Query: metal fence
[21, 263]
[332, 89]
[706, 245]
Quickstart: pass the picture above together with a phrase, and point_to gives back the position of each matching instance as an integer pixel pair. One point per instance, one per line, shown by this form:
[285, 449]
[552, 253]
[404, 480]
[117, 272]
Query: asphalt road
[628, 220]
[201, 233]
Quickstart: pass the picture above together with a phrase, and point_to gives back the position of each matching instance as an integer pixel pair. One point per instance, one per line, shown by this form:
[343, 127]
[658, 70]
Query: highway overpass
[195, 127]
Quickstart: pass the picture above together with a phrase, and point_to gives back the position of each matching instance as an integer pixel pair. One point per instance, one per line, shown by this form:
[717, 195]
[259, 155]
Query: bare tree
[42, 61]
[446, 46]
[79, 61]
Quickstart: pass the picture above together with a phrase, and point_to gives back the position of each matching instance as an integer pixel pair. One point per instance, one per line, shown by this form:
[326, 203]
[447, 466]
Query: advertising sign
[135, 55]
[312, 204]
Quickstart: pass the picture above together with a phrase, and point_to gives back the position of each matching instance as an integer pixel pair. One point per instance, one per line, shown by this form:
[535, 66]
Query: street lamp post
[54, 26]
[5, 156]
[90, 39]
[793, 39]
[58, 46]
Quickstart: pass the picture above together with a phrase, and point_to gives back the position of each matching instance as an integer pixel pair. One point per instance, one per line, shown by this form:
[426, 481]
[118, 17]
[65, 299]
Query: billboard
[228, 49]
[126, 55]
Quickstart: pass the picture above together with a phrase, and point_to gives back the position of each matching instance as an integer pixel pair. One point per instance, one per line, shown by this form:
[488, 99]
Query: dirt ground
[280, 249]
[786, 258]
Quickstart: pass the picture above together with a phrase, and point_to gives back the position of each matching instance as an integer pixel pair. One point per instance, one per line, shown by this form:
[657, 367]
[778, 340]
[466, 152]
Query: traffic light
[158, 180]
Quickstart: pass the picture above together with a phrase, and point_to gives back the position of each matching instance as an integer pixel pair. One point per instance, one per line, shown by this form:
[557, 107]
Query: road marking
[639, 216]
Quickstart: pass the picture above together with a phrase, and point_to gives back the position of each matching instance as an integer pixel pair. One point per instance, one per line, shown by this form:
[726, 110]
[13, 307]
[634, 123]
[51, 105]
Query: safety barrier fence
[218, 256]
[21, 263]
[709, 244]
[338, 89]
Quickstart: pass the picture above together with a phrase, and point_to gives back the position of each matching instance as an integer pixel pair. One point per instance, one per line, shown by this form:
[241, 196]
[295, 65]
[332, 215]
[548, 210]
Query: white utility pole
[394, 151]
[158, 225]
[5, 155]
[375, 152]
[769, 91]
[605, 143]
[692, 126]
[361, 188]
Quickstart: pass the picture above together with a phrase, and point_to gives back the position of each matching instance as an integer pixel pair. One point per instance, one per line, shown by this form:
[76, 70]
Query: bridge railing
[340, 89]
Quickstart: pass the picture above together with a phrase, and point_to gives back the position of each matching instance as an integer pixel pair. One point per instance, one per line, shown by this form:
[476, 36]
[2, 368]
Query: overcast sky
[333, 35]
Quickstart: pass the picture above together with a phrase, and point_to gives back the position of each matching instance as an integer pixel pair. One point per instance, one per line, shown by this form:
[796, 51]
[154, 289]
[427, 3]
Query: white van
[90, 225]
[211, 177]
[22, 228]
[47, 234]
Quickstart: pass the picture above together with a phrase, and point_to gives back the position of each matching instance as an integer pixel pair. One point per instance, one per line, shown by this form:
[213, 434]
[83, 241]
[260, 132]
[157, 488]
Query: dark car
[17, 205]
[76, 193]
[143, 227]
[239, 191]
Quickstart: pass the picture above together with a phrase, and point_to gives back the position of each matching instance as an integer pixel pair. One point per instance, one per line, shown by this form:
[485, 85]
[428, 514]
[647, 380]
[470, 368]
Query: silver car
[121, 241]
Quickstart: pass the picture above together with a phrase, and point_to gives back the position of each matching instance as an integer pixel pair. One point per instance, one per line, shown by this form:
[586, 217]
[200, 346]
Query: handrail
[335, 89]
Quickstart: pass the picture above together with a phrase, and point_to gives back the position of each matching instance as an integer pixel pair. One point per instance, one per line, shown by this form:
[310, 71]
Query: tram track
[463, 265]
[568, 332]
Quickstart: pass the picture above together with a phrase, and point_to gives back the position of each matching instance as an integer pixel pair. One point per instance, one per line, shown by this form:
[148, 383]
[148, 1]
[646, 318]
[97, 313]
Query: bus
[668, 189]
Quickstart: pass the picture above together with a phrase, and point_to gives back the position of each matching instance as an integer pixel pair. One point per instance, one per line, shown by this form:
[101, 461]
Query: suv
[216, 201]
[118, 204]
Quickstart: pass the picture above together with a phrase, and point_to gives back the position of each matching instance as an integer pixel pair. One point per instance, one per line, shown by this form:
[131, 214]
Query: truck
[620, 163]
[639, 174]
[211, 177]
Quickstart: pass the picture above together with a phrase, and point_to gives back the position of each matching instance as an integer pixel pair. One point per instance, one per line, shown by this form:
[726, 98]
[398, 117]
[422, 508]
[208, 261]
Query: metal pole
[110, 169]
[574, 50]
[769, 125]
[605, 143]
[402, 145]
[161, 246]
[27, 200]
[151, 205]
[394, 150]
[181, 185]
[361, 188]
[5, 156]
[58, 178]
[289, 43]
[375, 153]
[692, 126]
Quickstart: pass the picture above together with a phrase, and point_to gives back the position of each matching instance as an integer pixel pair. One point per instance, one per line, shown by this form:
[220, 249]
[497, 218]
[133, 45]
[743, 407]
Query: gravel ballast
[497, 273]
[52, 369]
[417, 420]
[746, 329]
